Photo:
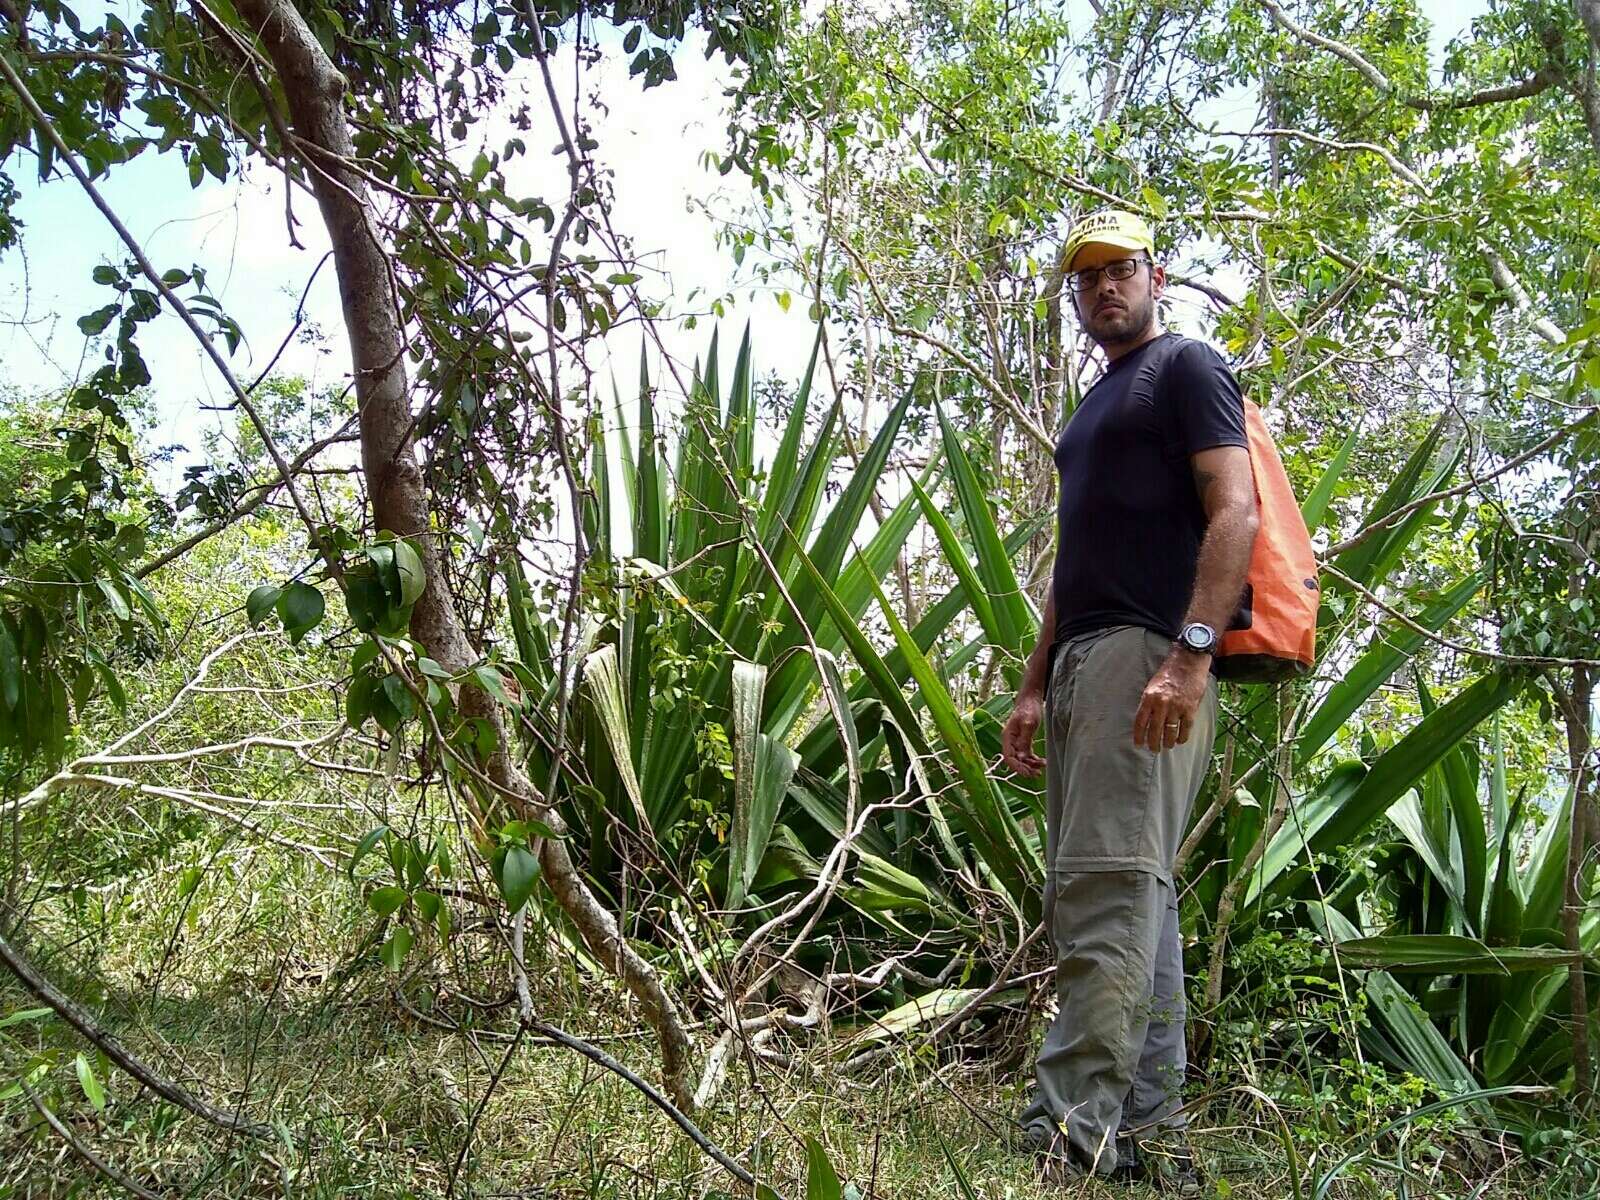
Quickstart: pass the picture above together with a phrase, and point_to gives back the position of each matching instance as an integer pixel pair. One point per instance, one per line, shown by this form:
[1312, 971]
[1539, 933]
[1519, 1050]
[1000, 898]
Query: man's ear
[1158, 280]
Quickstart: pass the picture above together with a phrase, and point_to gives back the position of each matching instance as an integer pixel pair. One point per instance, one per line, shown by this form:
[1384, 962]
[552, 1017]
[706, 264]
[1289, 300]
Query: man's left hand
[1170, 700]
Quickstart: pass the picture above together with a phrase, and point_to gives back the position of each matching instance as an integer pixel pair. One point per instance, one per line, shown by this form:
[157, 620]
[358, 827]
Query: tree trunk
[1589, 90]
[315, 88]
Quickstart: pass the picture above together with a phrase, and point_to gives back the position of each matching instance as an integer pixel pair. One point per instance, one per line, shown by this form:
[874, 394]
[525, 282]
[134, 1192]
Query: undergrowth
[260, 981]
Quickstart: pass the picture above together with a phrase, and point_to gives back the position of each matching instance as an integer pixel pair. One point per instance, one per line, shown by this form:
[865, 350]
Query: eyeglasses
[1117, 269]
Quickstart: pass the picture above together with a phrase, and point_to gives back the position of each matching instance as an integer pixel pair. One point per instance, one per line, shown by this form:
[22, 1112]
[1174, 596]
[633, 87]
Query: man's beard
[1118, 326]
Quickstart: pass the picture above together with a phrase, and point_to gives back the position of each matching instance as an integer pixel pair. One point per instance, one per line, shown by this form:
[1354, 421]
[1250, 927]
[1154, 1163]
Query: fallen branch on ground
[70, 1012]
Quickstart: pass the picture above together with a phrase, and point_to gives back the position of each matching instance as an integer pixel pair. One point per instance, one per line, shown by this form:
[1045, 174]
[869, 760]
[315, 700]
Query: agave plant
[750, 699]
[1456, 945]
[751, 704]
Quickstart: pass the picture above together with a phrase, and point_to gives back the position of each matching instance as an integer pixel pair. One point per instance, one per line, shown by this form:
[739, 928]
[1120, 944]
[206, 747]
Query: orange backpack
[1274, 634]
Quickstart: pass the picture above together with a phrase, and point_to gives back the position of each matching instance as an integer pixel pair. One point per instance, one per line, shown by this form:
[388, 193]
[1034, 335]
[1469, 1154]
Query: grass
[262, 983]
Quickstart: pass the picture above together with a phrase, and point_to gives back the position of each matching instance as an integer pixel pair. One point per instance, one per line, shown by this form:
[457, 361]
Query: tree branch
[1520, 300]
[1541, 80]
[1025, 423]
[70, 1012]
[177, 305]
[596, 1055]
[1405, 510]
[315, 91]
[1527, 660]
[1546, 77]
[83, 1151]
[256, 497]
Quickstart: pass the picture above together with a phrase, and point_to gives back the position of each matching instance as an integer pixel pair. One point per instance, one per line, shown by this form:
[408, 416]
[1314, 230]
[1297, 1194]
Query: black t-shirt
[1129, 517]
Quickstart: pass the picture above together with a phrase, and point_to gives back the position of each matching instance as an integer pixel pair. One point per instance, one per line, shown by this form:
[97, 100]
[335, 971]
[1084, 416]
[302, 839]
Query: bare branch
[1528, 660]
[1025, 423]
[83, 1151]
[70, 1012]
[255, 497]
[1388, 156]
[1520, 300]
[1405, 510]
[1371, 73]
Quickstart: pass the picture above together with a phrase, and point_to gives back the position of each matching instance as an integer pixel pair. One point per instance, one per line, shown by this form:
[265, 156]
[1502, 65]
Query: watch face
[1198, 637]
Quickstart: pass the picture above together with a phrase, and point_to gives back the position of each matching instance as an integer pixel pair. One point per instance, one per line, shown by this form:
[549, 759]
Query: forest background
[500, 679]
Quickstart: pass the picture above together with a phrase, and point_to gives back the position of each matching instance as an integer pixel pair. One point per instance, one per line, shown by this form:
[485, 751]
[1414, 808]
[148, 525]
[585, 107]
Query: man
[1156, 519]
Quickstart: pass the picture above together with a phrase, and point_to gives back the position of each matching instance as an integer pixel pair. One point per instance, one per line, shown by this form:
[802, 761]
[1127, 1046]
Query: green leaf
[838, 530]
[1503, 915]
[115, 598]
[966, 573]
[786, 460]
[400, 697]
[1013, 615]
[382, 557]
[26, 1014]
[386, 900]
[887, 689]
[365, 600]
[1524, 1009]
[1315, 506]
[1392, 648]
[968, 1192]
[300, 608]
[259, 603]
[1546, 873]
[1407, 815]
[1361, 562]
[413, 579]
[1448, 954]
[359, 699]
[10, 666]
[397, 947]
[999, 841]
[1403, 764]
[489, 680]
[427, 905]
[97, 321]
[1351, 797]
[114, 688]
[90, 1083]
[519, 872]
[822, 1182]
[526, 829]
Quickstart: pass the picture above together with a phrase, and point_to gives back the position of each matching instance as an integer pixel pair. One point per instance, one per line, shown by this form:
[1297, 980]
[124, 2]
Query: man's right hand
[1016, 742]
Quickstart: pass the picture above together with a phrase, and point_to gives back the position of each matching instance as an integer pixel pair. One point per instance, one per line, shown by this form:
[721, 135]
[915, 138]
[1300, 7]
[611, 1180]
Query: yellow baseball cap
[1110, 227]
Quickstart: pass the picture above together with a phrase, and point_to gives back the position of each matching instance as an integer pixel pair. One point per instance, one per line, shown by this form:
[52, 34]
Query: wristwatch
[1200, 638]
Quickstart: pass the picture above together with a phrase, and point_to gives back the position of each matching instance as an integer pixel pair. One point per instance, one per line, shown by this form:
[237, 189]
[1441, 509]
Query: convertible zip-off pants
[1115, 813]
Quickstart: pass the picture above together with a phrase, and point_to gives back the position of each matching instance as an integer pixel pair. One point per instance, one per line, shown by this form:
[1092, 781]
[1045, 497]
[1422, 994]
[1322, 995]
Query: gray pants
[1114, 1056]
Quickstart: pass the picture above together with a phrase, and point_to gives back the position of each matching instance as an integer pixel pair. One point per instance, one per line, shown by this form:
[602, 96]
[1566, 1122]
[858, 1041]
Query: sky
[655, 141]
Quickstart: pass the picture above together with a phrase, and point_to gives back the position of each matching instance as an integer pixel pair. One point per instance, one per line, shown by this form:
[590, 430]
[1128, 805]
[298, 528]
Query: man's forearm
[1033, 677]
[1224, 563]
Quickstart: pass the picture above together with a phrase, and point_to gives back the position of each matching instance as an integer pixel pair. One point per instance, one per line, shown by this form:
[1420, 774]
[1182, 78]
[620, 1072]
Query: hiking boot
[1057, 1164]
[1169, 1164]
[1130, 1167]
